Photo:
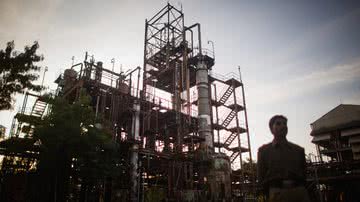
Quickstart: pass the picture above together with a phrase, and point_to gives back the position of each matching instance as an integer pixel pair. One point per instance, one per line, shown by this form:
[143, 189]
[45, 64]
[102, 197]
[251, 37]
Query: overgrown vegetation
[18, 72]
[73, 143]
[75, 150]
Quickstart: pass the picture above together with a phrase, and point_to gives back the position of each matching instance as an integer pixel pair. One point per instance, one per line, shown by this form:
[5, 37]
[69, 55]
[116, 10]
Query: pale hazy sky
[298, 58]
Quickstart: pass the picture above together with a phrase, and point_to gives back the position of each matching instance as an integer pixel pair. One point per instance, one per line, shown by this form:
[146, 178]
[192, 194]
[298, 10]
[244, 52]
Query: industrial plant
[180, 127]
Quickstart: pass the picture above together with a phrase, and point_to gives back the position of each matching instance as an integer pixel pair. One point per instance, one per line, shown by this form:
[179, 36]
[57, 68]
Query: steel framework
[166, 128]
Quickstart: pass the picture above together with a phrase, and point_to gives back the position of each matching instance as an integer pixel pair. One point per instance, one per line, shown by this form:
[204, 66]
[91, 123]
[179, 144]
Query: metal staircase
[235, 151]
[226, 95]
[37, 111]
[234, 155]
[38, 108]
[230, 139]
[229, 118]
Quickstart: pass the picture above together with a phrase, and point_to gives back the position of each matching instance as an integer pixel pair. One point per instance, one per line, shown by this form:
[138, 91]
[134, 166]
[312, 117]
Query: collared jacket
[279, 161]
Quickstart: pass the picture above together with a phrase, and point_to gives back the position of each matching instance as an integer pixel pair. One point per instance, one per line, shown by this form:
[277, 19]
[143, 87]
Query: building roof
[341, 117]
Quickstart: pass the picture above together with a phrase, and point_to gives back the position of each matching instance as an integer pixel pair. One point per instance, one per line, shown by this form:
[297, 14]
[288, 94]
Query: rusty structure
[182, 128]
[334, 172]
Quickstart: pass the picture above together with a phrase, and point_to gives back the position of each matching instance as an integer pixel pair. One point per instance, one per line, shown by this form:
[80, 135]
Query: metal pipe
[192, 38]
[217, 116]
[213, 48]
[76, 65]
[138, 80]
[199, 35]
[130, 83]
[86, 56]
[97, 106]
[81, 67]
[178, 146]
[211, 113]
[186, 73]
[113, 64]
[132, 71]
[135, 130]
[192, 42]
[145, 60]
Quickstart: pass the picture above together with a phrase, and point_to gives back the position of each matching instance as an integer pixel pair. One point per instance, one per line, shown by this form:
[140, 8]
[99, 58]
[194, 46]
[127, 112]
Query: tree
[17, 72]
[249, 169]
[73, 139]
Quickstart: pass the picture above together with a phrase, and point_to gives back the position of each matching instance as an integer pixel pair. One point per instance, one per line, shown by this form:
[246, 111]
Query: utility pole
[42, 82]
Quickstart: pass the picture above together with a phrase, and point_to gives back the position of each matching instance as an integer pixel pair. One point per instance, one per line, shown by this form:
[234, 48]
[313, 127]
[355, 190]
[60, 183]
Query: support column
[319, 153]
[217, 118]
[237, 127]
[135, 129]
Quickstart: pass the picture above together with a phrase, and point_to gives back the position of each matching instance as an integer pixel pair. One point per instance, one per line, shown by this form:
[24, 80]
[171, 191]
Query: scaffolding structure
[170, 66]
[182, 128]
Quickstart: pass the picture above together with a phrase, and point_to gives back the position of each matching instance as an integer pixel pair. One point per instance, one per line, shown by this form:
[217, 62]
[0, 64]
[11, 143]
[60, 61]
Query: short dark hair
[274, 118]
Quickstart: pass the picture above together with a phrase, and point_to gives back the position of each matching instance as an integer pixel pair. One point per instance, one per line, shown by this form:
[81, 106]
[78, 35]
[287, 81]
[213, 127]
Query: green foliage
[154, 194]
[249, 169]
[72, 130]
[17, 72]
[74, 143]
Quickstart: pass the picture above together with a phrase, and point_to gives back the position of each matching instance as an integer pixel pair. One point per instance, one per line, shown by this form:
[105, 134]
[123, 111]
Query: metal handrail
[161, 102]
[230, 75]
[204, 51]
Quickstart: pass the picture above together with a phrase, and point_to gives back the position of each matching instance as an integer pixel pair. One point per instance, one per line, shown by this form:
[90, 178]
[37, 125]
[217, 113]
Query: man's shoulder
[295, 146]
[265, 147]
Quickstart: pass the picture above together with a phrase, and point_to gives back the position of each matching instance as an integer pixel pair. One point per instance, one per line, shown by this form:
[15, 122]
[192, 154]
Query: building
[337, 134]
[335, 174]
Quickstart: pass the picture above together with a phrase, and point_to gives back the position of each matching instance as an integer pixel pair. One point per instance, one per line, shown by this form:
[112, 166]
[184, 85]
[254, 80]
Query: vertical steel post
[145, 60]
[217, 116]
[112, 73]
[247, 128]
[237, 125]
[134, 153]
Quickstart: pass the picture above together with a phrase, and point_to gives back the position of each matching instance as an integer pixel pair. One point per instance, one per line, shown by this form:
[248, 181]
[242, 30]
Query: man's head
[278, 126]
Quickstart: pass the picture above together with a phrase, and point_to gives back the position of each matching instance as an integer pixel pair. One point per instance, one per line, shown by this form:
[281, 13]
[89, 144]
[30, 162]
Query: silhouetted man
[281, 166]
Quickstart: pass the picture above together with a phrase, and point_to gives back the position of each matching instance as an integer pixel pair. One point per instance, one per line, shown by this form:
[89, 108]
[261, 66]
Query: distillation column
[204, 111]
